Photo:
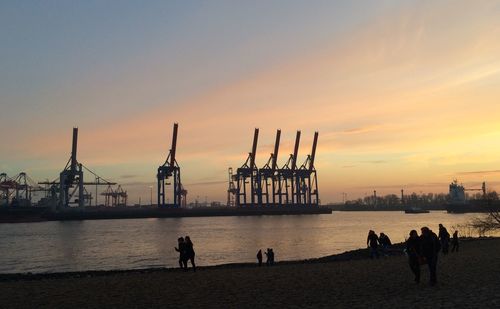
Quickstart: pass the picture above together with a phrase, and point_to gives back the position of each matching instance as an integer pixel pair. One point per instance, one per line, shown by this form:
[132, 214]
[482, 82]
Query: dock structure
[170, 170]
[115, 197]
[17, 190]
[270, 186]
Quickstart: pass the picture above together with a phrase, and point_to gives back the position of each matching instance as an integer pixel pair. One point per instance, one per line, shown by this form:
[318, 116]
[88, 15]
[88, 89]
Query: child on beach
[454, 242]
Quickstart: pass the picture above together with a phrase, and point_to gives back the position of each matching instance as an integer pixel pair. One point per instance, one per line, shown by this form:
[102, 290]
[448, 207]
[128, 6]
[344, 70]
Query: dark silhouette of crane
[171, 170]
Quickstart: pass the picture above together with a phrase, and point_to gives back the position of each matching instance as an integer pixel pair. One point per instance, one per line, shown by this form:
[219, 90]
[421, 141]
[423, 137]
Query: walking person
[372, 243]
[444, 238]
[454, 242]
[182, 252]
[259, 257]
[414, 254]
[190, 253]
[430, 249]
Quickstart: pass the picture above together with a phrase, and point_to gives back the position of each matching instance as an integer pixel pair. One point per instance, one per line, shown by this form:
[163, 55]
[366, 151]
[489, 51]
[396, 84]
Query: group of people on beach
[269, 257]
[373, 241]
[186, 252]
[424, 249]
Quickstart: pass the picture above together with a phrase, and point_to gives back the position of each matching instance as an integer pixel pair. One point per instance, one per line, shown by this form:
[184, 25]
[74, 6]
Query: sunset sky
[404, 94]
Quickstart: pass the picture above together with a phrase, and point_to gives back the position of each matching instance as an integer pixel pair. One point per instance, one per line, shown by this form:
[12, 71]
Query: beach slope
[468, 279]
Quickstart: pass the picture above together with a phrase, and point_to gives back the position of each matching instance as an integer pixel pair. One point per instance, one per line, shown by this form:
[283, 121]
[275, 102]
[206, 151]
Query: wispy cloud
[479, 172]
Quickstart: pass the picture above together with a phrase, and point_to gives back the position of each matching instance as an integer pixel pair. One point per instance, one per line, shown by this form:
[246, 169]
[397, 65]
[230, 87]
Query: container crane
[170, 169]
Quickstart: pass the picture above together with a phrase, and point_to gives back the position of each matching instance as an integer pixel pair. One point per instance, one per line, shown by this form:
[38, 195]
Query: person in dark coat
[385, 242]
[259, 257]
[190, 252]
[454, 242]
[182, 252]
[444, 238]
[270, 257]
[372, 243]
[413, 249]
[430, 248]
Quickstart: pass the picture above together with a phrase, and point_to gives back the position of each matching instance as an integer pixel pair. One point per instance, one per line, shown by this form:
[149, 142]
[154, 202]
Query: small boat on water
[415, 210]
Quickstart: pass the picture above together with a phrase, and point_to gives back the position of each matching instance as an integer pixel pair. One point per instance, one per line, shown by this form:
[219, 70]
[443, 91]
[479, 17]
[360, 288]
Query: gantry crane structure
[287, 177]
[71, 185]
[171, 170]
[248, 190]
[115, 198]
[307, 180]
[17, 190]
[268, 178]
[270, 186]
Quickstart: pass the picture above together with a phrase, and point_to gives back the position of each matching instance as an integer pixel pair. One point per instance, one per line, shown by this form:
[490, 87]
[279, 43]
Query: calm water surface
[143, 243]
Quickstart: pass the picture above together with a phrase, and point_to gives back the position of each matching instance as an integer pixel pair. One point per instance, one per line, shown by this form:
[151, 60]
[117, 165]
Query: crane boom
[276, 149]
[74, 149]
[174, 146]
[313, 152]
[254, 147]
[296, 151]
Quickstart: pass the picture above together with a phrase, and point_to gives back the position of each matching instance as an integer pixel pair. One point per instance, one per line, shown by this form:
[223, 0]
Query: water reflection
[140, 243]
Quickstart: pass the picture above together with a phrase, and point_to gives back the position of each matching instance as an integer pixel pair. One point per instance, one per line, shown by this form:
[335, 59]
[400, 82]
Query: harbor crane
[268, 177]
[307, 180]
[270, 186]
[288, 183]
[171, 170]
[71, 183]
[247, 179]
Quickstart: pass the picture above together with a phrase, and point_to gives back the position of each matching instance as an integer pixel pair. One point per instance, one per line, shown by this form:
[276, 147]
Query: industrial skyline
[404, 93]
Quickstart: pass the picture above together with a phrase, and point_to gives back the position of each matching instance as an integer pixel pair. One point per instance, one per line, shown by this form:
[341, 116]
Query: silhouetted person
[413, 248]
[385, 242]
[270, 257]
[182, 253]
[190, 252]
[444, 238]
[372, 243]
[454, 242]
[430, 248]
[259, 257]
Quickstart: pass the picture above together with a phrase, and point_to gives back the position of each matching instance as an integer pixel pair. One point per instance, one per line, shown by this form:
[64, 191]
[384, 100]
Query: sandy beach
[468, 279]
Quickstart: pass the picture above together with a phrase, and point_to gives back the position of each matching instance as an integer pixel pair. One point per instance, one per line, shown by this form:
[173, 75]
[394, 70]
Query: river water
[143, 243]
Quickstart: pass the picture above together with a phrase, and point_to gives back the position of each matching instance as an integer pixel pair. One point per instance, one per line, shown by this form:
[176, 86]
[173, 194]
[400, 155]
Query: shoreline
[346, 256]
[468, 279]
[34, 214]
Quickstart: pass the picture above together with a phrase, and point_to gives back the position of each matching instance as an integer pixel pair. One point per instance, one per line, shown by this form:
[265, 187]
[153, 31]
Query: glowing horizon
[404, 94]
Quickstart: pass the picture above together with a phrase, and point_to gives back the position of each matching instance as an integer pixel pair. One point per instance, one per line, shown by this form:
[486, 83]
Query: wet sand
[469, 279]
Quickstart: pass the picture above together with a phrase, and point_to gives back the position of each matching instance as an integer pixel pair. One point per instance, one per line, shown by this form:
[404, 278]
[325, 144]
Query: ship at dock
[459, 203]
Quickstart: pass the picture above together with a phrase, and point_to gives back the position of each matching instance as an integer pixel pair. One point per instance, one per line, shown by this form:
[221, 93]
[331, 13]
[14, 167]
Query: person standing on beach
[385, 242]
[414, 254]
[444, 238]
[190, 253]
[182, 252]
[270, 257]
[454, 242]
[259, 257]
[372, 243]
[430, 249]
